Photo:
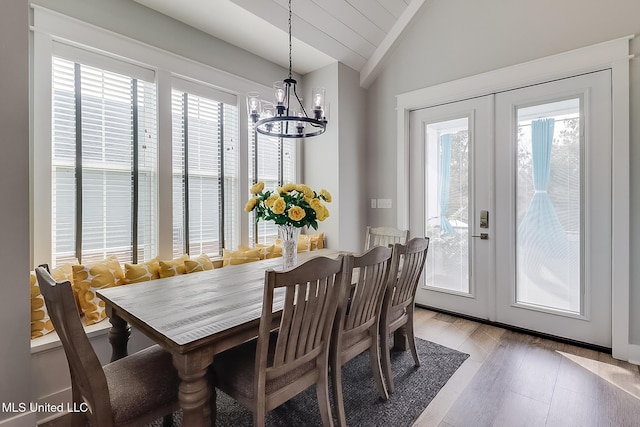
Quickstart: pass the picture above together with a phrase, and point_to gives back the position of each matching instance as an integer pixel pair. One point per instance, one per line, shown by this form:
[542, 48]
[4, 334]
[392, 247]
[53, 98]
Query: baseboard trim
[527, 331]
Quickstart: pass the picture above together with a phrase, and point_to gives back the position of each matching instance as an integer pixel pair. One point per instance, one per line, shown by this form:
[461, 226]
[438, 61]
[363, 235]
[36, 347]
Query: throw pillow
[240, 257]
[142, 272]
[202, 263]
[92, 277]
[40, 320]
[170, 268]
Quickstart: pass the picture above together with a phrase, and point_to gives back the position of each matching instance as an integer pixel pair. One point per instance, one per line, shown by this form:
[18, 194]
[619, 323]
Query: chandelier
[286, 117]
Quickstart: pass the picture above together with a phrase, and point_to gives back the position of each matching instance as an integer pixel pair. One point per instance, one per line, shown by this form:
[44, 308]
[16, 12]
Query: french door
[451, 170]
[514, 191]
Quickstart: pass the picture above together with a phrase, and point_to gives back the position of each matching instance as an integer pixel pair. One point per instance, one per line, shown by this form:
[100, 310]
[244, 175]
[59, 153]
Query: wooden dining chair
[384, 236]
[355, 329]
[132, 391]
[266, 372]
[407, 264]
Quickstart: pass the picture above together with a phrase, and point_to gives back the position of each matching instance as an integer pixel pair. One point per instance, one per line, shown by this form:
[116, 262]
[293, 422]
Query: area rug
[415, 388]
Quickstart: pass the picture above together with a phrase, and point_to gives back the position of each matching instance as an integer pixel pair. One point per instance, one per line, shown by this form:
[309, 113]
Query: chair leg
[376, 368]
[259, 415]
[386, 357]
[322, 390]
[411, 337]
[336, 384]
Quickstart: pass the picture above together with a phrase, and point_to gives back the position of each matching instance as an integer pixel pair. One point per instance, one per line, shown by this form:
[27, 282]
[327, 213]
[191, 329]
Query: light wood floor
[513, 379]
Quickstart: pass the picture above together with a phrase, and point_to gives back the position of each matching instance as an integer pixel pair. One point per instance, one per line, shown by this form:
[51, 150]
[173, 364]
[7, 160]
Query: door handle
[483, 236]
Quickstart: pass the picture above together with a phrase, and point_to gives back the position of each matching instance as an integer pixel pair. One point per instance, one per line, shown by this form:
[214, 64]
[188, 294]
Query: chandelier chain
[290, 62]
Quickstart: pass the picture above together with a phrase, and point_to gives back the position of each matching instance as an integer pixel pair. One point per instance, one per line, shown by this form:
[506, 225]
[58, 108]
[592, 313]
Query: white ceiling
[358, 33]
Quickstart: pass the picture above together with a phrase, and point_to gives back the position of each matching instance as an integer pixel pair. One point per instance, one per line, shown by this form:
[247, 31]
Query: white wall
[334, 160]
[448, 40]
[15, 372]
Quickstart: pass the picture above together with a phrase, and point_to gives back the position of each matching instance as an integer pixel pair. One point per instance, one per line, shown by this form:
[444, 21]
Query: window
[111, 178]
[104, 164]
[205, 171]
[273, 161]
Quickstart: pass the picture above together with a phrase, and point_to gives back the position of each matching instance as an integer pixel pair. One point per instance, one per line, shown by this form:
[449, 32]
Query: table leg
[118, 336]
[194, 389]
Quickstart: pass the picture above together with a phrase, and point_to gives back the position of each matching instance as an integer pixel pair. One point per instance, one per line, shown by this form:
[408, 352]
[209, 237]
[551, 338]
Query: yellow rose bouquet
[292, 204]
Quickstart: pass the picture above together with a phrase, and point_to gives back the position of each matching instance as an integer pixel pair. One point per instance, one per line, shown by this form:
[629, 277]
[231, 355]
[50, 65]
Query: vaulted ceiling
[358, 33]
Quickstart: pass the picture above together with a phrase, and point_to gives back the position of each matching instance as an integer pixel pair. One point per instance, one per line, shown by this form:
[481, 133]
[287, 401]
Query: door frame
[613, 55]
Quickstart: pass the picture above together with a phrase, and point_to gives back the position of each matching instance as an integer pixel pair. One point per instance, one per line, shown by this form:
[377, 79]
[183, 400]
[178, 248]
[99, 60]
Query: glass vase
[288, 235]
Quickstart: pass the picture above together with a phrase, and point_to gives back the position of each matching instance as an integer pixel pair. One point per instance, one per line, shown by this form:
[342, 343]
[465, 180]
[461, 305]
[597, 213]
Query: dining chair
[268, 371]
[384, 236]
[407, 264]
[132, 391]
[355, 329]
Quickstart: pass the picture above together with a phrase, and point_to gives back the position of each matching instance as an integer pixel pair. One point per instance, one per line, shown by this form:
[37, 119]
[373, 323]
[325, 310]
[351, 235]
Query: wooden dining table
[194, 317]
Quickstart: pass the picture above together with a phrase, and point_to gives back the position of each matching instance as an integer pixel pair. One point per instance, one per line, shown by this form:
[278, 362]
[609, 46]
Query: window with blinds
[205, 174]
[272, 161]
[104, 164]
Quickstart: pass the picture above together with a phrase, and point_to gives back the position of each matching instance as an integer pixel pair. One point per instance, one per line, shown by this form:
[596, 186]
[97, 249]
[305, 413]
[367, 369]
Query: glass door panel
[548, 206]
[447, 204]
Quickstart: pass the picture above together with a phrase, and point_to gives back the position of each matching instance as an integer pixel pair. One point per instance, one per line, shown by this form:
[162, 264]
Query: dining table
[194, 317]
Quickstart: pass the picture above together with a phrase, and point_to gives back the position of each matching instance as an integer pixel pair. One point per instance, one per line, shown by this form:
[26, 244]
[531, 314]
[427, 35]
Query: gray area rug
[415, 388]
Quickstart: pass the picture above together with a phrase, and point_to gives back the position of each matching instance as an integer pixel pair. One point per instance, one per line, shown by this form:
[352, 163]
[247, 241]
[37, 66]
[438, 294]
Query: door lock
[483, 236]
[484, 219]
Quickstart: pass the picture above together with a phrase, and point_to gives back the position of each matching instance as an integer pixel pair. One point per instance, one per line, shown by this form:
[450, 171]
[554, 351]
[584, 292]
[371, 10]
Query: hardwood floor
[513, 379]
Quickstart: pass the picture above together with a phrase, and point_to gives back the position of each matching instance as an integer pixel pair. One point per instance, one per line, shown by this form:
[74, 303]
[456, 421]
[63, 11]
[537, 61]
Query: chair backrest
[407, 265]
[311, 293]
[87, 376]
[361, 309]
[384, 236]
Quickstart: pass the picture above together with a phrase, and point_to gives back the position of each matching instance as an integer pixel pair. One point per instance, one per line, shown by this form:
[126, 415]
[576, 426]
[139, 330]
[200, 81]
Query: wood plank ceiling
[358, 33]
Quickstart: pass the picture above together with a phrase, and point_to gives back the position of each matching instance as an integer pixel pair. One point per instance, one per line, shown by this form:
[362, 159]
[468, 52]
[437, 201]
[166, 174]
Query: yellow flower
[322, 213]
[289, 187]
[279, 205]
[306, 190]
[296, 213]
[316, 205]
[251, 204]
[272, 198]
[257, 187]
[326, 195]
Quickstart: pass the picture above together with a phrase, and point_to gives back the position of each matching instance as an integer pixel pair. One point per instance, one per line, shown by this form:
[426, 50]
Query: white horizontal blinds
[107, 140]
[63, 162]
[147, 145]
[205, 174]
[178, 138]
[93, 163]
